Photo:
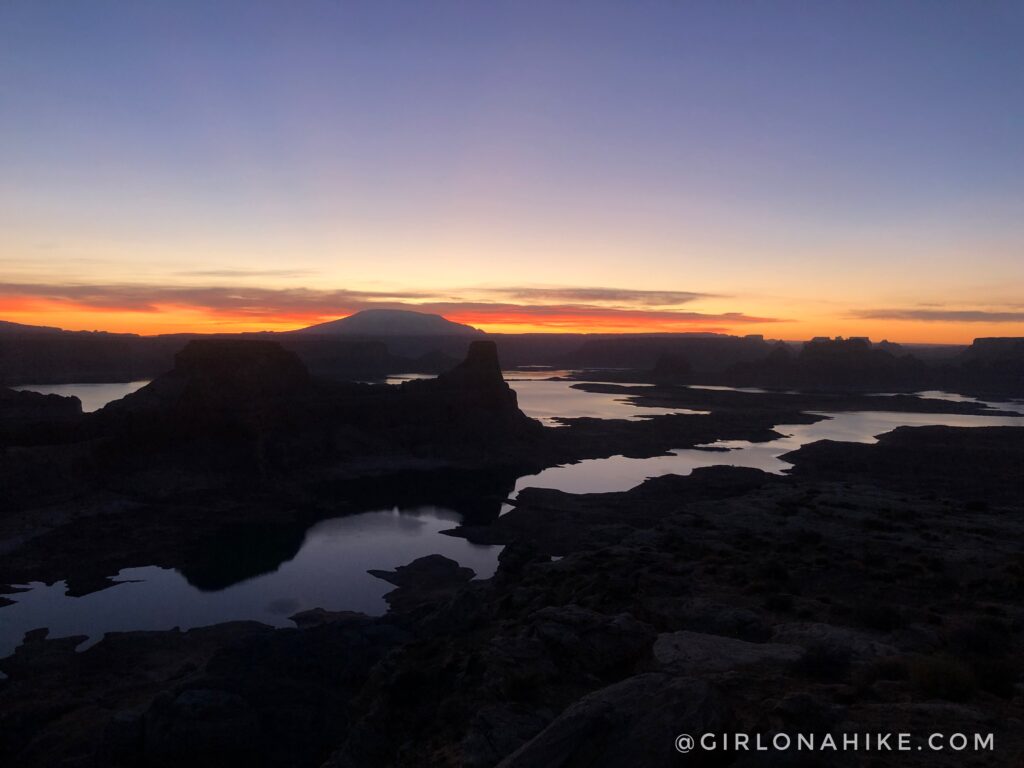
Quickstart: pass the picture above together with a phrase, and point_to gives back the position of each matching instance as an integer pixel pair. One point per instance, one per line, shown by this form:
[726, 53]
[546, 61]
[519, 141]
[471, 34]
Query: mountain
[391, 322]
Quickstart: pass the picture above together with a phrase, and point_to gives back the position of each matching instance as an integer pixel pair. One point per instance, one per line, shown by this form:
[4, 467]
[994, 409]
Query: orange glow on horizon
[170, 319]
[513, 322]
[175, 319]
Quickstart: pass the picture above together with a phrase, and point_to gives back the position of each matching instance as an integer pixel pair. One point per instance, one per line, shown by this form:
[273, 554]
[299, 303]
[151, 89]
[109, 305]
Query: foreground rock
[845, 598]
[634, 722]
[697, 652]
[425, 581]
[31, 418]
[981, 466]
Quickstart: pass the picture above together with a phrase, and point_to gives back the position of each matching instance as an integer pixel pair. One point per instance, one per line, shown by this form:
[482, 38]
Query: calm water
[325, 566]
[619, 473]
[547, 400]
[329, 571]
[1014, 406]
[93, 396]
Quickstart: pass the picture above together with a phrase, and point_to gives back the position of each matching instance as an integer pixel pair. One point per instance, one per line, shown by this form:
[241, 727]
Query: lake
[329, 571]
[619, 473]
[325, 566]
[93, 396]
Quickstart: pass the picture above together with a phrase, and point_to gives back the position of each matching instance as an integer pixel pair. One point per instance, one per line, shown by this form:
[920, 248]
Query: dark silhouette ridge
[391, 322]
[479, 378]
[36, 355]
[704, 353]
[8, 328]
[226, 398]
[850, 365]
[28, 418]
[260, 364]
[481, 366]
[252, 405]
[672, 367]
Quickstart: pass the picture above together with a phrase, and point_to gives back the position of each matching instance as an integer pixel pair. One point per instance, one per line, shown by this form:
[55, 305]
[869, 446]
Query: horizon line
[705, 333]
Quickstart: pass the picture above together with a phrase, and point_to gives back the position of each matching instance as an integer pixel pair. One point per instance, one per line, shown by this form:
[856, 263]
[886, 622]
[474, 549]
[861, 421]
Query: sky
[790, 169]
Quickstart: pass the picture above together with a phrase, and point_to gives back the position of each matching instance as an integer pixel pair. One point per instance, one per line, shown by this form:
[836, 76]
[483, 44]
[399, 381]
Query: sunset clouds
[254, 300]
[944, 315]
[691, 167]
[492, 308]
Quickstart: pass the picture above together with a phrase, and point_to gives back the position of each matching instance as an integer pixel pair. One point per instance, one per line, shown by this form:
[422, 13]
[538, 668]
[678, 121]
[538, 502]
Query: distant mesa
[9, 328]
[251, 405]
[248, 366]
[391, 322]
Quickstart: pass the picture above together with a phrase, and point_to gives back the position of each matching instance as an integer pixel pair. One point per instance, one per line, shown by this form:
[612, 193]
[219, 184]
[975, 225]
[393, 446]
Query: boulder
[200, 727]
[498, 730]
[633, 722]
[699, 614]
[429, 579]
[594, 641]
[428, 572]
[860, 646]
[699, 653]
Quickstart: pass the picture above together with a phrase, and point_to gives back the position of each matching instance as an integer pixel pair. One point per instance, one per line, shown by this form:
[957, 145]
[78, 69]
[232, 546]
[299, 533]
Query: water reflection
[328, 570]
[93, 396]
[549, 401]
[544, 394]
[267, 572]
[1013, 406]
[619, 473]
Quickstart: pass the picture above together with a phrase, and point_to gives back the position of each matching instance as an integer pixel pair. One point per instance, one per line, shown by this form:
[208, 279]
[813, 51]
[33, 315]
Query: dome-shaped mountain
[391, 322]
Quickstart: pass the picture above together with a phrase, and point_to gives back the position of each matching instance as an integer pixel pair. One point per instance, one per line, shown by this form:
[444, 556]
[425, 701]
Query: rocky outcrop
[22, 407]
[697, 652]
[227, 404]
[928, 460]
[994, 365]
[634, 722]
[424, 581]
[835, 365]
[31, 418]
[479, 371]
[252, 406]
[215, 382]
[475, 399]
